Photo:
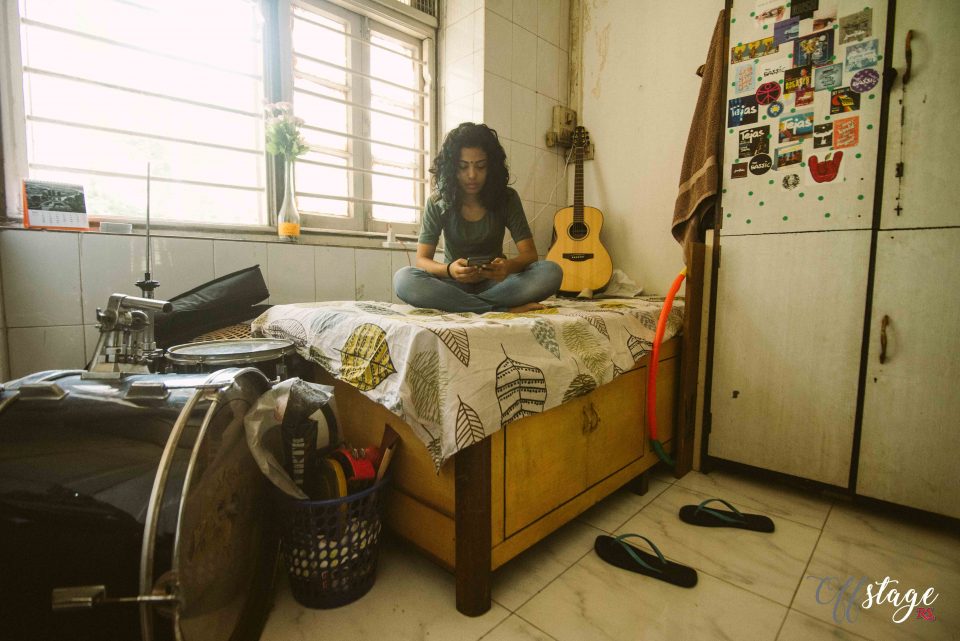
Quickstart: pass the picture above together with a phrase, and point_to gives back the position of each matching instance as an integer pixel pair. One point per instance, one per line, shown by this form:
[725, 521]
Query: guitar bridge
[577, 257]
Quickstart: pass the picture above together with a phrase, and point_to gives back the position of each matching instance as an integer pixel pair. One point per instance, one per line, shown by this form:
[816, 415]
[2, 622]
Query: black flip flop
[709, 517]
[618, 553]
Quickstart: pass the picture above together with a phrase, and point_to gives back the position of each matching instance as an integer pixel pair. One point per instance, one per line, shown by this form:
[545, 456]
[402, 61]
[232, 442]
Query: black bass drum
[131, 508]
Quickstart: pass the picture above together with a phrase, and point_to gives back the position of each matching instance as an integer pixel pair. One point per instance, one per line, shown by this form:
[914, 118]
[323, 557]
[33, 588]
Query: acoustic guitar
[576, 243]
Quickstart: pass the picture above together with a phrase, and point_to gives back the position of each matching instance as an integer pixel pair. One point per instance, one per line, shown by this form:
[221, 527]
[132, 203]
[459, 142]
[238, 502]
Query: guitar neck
[578, 187]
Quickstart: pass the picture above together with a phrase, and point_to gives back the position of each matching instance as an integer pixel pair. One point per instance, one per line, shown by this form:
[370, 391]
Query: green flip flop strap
[636, 557]
[739, 518]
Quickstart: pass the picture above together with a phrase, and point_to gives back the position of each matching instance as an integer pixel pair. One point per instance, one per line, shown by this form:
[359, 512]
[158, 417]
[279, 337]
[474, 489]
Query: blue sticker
[829, 77]
[862, 55]
[795, 128]
[742, 111]
[775, 109]
[786, 30]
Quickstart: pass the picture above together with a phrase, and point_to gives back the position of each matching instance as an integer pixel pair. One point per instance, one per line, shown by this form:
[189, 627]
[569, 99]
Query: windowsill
[248, 233]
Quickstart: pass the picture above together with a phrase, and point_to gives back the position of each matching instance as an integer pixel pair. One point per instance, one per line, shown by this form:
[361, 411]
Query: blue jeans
[419, 288]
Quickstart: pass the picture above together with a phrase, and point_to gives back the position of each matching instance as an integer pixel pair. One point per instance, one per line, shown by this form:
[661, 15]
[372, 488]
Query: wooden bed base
[497, 498]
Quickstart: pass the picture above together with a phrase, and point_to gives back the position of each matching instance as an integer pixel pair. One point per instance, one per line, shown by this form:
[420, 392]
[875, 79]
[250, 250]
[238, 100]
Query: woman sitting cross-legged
[472, 207]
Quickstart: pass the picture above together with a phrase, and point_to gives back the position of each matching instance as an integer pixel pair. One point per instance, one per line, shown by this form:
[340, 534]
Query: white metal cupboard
[910, 439]
[795, 269]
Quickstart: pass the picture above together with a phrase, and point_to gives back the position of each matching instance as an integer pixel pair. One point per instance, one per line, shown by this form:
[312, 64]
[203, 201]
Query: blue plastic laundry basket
[330, 548]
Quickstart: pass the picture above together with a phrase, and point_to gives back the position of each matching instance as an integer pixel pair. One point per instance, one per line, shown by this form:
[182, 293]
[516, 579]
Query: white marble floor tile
[800, 627]
[594, 600]
[516, 629]
[524, 576]
[861, 546]
[412, 599]
[615, 510]
[772, 499]
[770, 565]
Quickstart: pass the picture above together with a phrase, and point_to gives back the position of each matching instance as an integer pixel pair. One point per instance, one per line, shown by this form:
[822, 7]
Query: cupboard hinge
[899, 173]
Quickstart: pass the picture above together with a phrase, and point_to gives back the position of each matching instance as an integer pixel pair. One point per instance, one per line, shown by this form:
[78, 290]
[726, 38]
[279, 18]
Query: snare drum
[275, 357]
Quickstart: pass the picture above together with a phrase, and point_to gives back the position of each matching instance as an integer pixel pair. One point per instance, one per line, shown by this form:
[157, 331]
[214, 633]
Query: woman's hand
[463, 273]
[496, 270]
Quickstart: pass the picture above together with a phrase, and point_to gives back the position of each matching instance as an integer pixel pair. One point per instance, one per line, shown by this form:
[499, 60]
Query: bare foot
[529, 307]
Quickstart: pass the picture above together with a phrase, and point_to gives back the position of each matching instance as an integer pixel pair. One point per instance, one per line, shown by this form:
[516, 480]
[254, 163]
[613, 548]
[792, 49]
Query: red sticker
[825, 171]
[768, 92]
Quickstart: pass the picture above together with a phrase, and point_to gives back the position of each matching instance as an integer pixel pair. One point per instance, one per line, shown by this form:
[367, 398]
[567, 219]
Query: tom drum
[275, 357]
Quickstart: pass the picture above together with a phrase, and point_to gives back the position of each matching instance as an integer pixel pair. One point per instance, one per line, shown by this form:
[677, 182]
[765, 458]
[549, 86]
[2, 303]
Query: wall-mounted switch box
[561, 128]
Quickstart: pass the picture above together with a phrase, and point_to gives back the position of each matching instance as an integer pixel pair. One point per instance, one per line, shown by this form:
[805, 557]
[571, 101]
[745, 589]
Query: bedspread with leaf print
[457, 378]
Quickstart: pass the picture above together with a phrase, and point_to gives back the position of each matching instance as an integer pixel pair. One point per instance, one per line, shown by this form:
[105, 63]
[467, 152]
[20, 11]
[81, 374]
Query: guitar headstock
[581, 137]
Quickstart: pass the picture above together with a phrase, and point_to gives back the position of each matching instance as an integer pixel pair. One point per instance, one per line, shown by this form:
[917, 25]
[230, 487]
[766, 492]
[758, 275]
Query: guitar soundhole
[578, 231]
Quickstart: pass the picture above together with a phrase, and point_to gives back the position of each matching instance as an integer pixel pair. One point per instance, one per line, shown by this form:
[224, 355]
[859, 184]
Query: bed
[511, 424]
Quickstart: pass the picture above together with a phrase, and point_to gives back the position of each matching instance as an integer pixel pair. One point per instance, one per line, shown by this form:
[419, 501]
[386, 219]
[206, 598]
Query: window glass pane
[322, 179]
[391, 214]
[168, 201]
[110, 85]
[394, 190]
[69, 147]
[323, 206]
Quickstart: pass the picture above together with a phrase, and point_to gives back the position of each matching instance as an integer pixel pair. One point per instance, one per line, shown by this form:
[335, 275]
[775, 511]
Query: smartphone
[479, 261]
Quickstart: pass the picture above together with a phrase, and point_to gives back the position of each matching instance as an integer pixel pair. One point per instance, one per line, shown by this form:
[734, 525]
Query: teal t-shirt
[464, 238]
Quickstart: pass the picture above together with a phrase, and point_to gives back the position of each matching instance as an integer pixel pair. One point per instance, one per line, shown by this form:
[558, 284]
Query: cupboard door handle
[883, 338]
[908, 54]
[591, 419]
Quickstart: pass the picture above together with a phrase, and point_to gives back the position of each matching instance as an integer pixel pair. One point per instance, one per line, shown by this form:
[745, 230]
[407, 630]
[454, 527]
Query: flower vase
[288, 218]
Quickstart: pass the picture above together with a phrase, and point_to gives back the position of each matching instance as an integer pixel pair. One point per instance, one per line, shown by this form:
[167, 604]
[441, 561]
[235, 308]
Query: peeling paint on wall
[603, 43]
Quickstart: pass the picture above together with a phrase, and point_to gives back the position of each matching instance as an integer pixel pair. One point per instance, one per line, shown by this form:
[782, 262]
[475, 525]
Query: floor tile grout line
[806, 567]
[498, 623]
[741, 587]
[856, 636]
[536, 627]
[565, 570]
[580, 520]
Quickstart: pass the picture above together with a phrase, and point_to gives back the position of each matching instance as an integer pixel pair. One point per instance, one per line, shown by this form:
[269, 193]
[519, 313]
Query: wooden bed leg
[641, 484]
[472, 523]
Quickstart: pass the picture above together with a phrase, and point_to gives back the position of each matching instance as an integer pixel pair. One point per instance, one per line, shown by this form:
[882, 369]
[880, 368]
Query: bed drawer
[589, 437]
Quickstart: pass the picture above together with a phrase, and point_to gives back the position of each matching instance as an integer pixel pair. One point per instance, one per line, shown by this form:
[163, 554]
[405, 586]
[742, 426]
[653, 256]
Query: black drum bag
[223, 301]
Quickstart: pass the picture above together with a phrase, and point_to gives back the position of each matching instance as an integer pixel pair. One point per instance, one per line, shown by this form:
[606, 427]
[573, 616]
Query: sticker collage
[804, 95]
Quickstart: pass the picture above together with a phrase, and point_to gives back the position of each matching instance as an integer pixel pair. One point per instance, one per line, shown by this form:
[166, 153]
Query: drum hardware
[88, 596]
[126, 341]
[41, 391]
[153, 507]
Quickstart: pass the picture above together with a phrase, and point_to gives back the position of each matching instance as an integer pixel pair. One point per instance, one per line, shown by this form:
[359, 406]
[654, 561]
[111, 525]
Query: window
[97, 89]
[361, 88]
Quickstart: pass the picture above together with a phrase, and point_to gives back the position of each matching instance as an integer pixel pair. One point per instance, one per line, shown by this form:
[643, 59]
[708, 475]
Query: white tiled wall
[52, 283]
[461, 82]
[525, 48]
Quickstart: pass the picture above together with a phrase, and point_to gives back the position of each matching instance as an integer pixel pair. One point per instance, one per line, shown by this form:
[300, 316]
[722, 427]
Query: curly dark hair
[446, 165]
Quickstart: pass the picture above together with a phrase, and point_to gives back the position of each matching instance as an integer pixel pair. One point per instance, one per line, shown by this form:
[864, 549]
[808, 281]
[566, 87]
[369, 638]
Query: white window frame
[391, 16]
[360, 14]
